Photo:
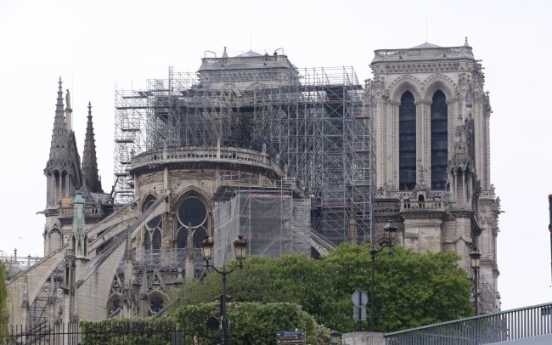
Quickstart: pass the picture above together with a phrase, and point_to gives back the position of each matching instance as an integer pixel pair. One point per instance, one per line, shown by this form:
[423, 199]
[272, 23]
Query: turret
[78, 239]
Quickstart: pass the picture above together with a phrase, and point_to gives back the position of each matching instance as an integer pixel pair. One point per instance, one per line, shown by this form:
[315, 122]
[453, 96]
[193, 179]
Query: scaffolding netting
[273, 222]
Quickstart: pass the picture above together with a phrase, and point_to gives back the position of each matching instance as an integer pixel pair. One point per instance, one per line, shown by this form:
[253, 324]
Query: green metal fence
[484, 329]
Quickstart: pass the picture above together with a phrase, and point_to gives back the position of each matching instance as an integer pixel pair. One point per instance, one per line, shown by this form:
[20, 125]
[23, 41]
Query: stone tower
[431, 124]
[63, 174]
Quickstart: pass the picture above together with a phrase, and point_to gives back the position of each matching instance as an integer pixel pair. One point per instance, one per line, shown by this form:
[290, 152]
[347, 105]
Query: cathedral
[296, 160]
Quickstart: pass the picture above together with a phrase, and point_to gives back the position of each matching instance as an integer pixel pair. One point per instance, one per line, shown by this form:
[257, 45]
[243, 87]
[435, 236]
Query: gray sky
[103, 45]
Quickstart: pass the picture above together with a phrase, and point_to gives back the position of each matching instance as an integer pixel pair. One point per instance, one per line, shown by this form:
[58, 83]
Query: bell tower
[431, 126]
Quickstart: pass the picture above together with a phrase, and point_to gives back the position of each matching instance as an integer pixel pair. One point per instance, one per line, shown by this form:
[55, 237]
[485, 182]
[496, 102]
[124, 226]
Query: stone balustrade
[88, 210]
[422, 205]
[206, 154]
[240, 59]
[425, 52]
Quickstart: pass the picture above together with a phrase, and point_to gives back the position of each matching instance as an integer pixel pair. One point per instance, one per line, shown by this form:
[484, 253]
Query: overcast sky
[103, 45]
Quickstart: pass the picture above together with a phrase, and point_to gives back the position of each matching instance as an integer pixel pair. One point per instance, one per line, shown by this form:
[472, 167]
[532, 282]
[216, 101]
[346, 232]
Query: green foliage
[120, 331]
[3, 302]
[411, 289]
[251, 323]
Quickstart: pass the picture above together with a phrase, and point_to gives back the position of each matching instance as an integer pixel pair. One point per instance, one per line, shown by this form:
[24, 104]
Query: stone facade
[430, 101]
[105, 260]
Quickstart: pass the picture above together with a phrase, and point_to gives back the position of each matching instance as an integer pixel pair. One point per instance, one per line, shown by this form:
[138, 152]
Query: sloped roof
[426, 45]
[249, 54]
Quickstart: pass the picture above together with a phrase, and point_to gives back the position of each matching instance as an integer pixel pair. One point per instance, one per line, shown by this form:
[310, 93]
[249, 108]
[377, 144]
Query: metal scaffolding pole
[313, 120]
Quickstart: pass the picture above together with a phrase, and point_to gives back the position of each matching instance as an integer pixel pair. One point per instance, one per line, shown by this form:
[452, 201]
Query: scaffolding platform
[313, 120]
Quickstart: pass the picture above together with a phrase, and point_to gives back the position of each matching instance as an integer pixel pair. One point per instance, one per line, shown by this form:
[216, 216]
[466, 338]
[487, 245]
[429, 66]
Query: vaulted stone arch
[438, 82]
[403, 84]
[187, 190]
[147, 198]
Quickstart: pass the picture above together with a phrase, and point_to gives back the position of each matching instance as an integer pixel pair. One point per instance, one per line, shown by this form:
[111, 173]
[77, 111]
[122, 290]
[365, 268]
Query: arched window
[439, 141]
[182, 238]
[407, 142]
[114, 306]
[192, 215]
[147, 240]
[153, 228]
[55, 239]
[156, 242]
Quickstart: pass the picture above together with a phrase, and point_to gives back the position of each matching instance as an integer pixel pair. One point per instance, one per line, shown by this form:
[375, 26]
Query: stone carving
[149, 179]
[403, 84]
[438, 82]
[422, 67]
[191, 175]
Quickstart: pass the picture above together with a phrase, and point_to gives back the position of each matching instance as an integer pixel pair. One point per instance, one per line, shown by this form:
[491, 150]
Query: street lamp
[390, 229]
[334, 335]
[475, 258]
[240, 249]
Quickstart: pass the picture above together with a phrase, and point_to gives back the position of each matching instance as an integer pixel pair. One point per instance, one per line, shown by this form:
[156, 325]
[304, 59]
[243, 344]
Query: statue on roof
[68, 100]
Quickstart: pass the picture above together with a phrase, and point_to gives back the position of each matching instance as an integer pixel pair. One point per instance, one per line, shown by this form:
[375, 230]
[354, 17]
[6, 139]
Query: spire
[60, 133]
[60, 171]
[89, 159]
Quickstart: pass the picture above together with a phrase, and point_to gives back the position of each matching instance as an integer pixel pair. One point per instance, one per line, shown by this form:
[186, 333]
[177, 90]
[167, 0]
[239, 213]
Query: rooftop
[424, 51]
[426, 45]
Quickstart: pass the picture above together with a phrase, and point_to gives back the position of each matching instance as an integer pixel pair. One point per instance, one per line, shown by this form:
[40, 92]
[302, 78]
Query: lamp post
[475, 257]
[334, 336]
[390, 229]
[240, 247]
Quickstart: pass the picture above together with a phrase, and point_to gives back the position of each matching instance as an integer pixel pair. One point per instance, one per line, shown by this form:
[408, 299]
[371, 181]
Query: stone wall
[362, 338]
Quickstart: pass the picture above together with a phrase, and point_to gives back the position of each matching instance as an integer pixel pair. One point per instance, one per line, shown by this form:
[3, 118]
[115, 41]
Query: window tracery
[153, 228]
[439, 141]
[192, 216]
[407, 142]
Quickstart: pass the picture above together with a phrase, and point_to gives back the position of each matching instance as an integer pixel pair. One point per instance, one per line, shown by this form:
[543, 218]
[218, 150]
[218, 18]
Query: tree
[411, 289]
[251, 323]
[3, 302]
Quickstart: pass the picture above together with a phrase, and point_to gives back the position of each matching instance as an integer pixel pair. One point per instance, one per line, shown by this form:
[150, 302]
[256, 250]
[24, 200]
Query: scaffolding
[49, 298]
[311, 119]
[272, 220]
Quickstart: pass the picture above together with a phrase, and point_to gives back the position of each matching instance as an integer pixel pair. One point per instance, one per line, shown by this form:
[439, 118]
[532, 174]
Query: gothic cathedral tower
[431, 125]
[63, 175]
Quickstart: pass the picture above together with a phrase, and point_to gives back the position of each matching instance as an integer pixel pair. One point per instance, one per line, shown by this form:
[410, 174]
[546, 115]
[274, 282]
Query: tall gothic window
[192, 216]
[407, 142]
[152, 230]
[439, 141]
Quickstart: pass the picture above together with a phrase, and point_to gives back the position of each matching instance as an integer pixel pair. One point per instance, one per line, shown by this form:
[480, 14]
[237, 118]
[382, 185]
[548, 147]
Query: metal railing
[44, 333]
[126, 333]
[485, 329]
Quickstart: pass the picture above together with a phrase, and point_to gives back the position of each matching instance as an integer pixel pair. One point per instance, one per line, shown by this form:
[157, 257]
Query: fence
[485, 329]
[123, 334]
